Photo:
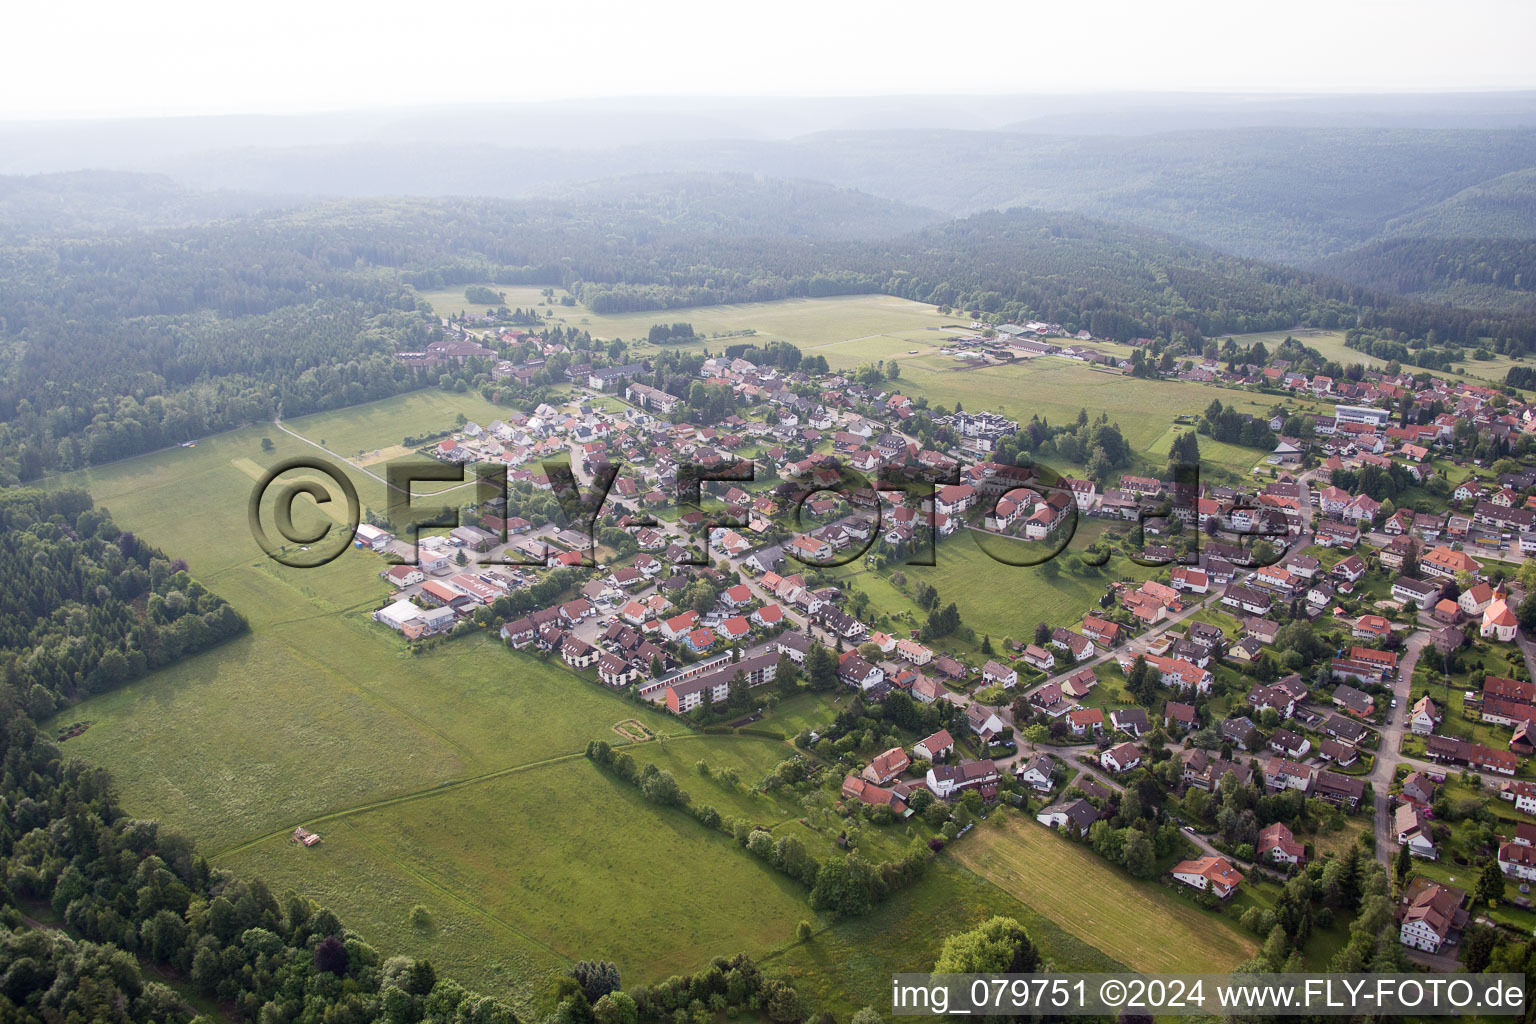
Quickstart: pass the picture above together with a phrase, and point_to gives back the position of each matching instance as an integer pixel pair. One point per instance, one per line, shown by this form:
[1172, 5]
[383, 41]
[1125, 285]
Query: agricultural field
[1137, 923]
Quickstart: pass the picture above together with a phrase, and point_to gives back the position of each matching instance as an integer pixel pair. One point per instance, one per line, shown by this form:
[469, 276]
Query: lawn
[1005, 600]
[1450, 695]
[1136, 923]
[806, 710]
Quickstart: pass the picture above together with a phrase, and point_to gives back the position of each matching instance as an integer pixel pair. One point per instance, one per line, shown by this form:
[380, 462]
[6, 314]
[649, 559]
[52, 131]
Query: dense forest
[1489, 273]
[87, 606]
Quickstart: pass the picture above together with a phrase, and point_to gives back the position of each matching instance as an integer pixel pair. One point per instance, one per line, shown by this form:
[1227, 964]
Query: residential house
[994, 673]
[1038, 773]
[1431, 915]
[1131, 721]
[1215, 874]
[1411, 826]
[934, 747]
[1179, 717]
[1074, 816]
[1424, 716]
[1086, 721]
[1038, 658]
[984, 721]
[864, 791]
[1279, 846]
[945, 780]
[1121, 758]
[884, 767]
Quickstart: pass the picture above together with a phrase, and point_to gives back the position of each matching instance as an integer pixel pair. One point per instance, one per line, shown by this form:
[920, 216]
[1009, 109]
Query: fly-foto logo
[1017, 515]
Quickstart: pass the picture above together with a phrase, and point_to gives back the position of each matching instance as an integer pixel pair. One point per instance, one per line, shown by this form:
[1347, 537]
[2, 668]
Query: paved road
[1388, 755]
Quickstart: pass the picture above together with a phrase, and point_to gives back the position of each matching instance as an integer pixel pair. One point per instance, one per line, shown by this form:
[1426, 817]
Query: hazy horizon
[177, 58]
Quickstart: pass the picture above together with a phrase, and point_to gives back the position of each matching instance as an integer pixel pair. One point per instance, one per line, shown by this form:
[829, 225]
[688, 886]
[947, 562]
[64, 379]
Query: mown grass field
[451, 301]
[1137, 923]
[532, 870]
[363, 429]
[1057, 389]
[994, 598]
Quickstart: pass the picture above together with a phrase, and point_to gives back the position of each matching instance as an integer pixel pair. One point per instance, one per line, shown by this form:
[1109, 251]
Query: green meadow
[1331, 345]
[993, 597]
[1140, 924]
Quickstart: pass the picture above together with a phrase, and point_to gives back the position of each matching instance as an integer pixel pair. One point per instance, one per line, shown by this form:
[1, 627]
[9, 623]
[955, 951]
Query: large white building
[1362, 414]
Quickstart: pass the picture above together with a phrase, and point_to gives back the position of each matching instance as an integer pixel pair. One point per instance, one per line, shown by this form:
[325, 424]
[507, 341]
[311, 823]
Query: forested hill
[1289, 195]
[86, 202]
[1496, 274]
[1503, 207]
[1476, 249]
[742, 205]
[132, 338]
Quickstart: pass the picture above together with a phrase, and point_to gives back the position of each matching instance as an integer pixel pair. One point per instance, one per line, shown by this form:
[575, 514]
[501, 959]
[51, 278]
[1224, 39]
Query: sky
[175, 57]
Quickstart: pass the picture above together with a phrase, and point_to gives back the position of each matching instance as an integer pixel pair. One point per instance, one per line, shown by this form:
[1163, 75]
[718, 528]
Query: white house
[1121, 757]
[1412, 830]
[1423, 716]
[1214, 873]
[998, 674]
[931, 748]
[1518, 860]
[1432, 913]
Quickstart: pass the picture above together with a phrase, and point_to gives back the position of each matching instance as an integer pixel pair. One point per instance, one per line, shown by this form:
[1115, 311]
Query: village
[1290, 635]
